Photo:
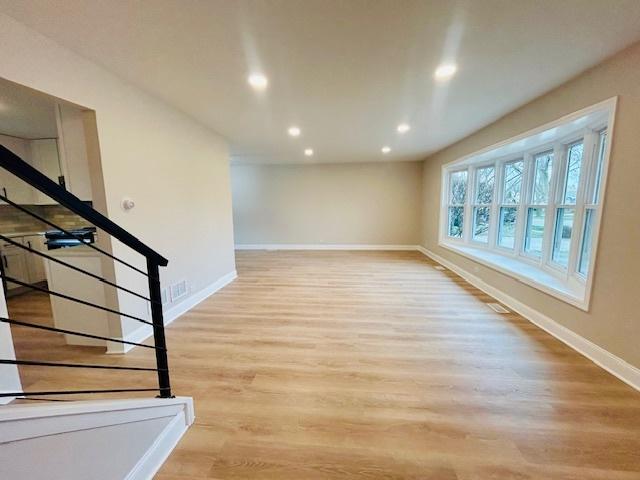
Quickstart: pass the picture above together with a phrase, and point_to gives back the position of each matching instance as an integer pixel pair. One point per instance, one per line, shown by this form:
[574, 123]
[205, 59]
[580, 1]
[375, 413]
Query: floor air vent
[496, 307]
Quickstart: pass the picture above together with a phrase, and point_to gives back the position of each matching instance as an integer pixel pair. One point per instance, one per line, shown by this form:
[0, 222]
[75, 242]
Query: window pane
[572, 180]
[456, 220]
[512, 182]
[484, 184]
[602, 147]
[458, 186]
[542, 178]
[507, 227]
[481, 224]
[562, 236]
[587, 237]
[535, 231]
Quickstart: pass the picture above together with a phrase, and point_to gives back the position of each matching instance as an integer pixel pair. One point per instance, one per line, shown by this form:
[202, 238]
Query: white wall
[357, 203]
[9, 376]
[174, 168]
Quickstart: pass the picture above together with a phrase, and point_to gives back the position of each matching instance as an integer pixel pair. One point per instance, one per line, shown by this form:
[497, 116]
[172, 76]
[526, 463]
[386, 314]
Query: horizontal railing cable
[72, 365]
[71, 332]
[71, 234]
[73, 267]
[79, 392]
[74, 299]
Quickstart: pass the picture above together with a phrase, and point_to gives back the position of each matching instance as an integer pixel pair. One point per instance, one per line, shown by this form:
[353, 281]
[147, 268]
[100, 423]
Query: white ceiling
[345, 71]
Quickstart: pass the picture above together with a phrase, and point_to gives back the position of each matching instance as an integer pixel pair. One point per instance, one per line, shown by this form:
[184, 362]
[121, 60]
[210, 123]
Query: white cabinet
[21, 264]
[54, 157]
[73, 151]
[35, 263]
[11, 186]
[72, 315]
[15, 189]
[45, 158]
[14, 265]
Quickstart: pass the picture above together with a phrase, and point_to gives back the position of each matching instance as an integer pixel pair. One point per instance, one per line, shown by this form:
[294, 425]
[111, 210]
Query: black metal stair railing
[18, 167]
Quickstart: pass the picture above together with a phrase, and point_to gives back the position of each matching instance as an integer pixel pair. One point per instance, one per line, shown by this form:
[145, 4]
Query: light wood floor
[372, 365]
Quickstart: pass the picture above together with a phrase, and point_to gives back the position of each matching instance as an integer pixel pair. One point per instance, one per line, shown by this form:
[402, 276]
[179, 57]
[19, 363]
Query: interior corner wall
[175, 169]
[613, 321]
[356, 203]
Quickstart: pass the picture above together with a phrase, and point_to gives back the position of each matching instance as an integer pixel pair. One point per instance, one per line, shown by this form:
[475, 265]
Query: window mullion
[557, 176]
[522, 207]
[578, 220]
[467, 234]
[495, 205]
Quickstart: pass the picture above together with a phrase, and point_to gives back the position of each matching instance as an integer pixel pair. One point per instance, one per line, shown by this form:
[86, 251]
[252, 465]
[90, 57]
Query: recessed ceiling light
[294, 131]
[386, 149]
[403, 128]
[308, 152]
[258, 81]
[445, 71]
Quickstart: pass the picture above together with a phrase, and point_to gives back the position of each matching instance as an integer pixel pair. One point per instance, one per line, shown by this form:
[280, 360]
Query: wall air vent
[496, 307]
[178, 290]
[164, 296]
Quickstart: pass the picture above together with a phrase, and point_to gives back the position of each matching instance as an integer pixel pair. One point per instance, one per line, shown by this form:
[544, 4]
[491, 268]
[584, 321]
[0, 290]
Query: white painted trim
[145, 331]
[5, 400]
[37, 420]
[323, 246]
[522, 271]
[21, 422]
[610, 103]
[176, 311]
[598, 355]
[154, 458]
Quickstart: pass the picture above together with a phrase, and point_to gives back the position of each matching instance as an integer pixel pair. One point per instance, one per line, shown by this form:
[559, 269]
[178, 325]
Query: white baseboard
[323, 246]
[154, 458]
[598, 355]
[145, 331]
[174, 312]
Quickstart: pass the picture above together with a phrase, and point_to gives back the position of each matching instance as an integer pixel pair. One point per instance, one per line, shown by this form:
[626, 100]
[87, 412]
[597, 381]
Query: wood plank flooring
[368, 365]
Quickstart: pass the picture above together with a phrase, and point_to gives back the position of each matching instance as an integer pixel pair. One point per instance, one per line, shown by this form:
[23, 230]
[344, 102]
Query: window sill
[573, 293]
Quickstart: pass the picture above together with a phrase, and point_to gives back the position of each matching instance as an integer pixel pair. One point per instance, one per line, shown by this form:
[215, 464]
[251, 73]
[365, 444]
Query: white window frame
[475, 204]
[567, 284]
[528, 203]
[450, 204]
[502, 166]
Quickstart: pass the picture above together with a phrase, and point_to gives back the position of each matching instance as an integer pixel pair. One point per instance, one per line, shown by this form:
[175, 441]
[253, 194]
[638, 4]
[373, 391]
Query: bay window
[531, 207]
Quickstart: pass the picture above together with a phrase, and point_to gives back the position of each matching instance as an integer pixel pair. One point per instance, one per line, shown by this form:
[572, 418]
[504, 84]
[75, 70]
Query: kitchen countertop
[77, 251]
[22, 234]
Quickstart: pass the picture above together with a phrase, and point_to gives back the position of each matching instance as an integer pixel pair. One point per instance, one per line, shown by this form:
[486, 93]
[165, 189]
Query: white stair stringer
[91, 440]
